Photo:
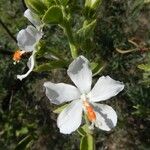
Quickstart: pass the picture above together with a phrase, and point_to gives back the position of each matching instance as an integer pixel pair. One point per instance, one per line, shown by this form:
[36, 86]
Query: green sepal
[59, 109]
[84, 130]
[37, 6]
[53, 15]
[53, 64]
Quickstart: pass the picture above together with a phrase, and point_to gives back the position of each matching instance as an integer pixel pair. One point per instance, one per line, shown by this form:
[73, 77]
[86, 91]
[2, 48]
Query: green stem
[92, 140]
[68, 31]
[90, 134]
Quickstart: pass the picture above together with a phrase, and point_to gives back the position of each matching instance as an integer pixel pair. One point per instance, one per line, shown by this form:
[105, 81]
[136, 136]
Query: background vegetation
[26, 117]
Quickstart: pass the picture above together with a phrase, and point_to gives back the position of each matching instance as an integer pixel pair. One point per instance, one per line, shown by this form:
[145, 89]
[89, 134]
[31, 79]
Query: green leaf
[59, 109]
[54, 64]
[86, 31]
[37, 6]
[87, 143]
[145, 67]
[53, 15]
[24, 143]
[136, 7]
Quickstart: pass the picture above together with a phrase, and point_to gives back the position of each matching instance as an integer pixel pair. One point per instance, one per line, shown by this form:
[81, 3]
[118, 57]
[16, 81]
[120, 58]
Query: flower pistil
[17, 56]
[90, 111]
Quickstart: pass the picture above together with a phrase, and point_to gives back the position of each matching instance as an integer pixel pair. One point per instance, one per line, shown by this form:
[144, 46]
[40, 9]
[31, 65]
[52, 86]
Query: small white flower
[83, 98]
[28, 38]
[27, 41]
[33, 18]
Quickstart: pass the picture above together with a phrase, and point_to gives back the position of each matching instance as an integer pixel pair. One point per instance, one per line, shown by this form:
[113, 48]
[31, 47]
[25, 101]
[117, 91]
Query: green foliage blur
[27, 120]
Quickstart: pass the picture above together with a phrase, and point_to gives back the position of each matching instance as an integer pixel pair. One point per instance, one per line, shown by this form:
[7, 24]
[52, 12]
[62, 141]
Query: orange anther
[17, 55]
[90, 111]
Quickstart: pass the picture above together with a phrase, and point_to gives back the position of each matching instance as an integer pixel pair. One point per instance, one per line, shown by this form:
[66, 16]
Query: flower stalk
[90, 134]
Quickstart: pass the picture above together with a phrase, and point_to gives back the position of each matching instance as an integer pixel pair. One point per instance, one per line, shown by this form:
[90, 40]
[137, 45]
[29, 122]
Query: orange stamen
[17, 55]
[90, 111]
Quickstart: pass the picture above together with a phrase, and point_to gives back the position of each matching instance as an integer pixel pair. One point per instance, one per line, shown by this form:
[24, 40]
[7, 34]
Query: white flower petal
[33, 18]
[81, 74]
[70, 118]
[106, 117]
[30, 64]
[28, 38]
[105, 88]
[61, 92]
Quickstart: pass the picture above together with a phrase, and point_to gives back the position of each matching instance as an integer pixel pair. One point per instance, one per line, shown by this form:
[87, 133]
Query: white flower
[28, 38]
[27, 41]
[33, 18]
[83, 98]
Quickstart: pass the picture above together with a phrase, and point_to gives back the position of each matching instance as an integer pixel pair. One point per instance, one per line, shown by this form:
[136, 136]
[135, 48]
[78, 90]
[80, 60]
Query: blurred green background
[26, 117]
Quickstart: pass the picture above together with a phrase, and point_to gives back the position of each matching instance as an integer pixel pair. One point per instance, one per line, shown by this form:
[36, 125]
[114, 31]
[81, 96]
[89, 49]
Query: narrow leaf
[24, 143]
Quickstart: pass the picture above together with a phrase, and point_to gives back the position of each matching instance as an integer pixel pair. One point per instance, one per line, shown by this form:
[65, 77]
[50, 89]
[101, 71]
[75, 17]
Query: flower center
[90, 111]
[17, 55]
